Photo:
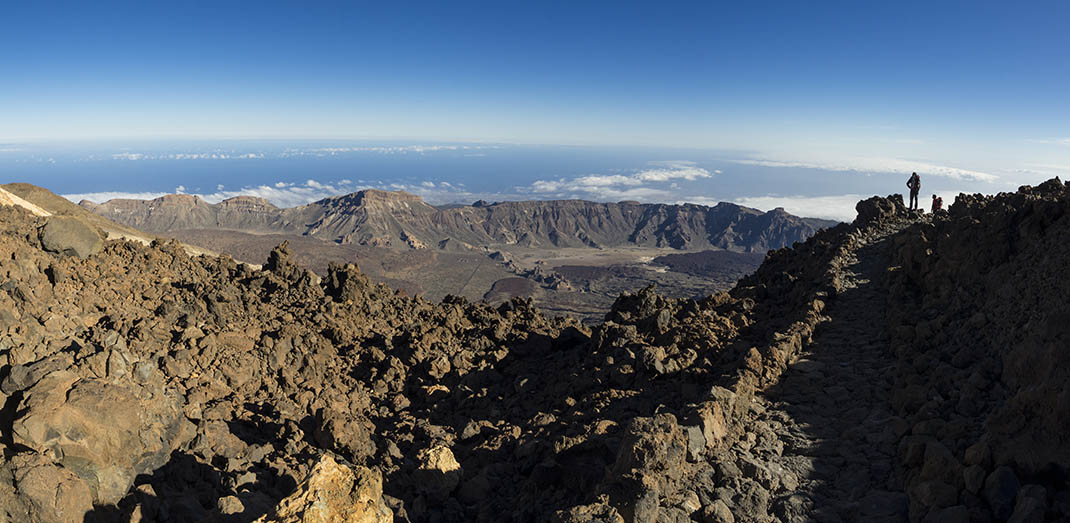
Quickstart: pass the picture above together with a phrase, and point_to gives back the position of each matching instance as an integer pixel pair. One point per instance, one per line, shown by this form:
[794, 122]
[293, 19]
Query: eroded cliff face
[402, 220]
[229, 384]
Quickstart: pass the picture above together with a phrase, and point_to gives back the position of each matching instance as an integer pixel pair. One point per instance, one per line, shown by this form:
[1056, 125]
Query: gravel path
[830, 430]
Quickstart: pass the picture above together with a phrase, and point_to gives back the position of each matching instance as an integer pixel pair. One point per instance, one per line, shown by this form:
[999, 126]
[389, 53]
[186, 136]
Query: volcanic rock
[334, 493]
[438, 472]
[71, 236]
[105, 432]
[42, 492]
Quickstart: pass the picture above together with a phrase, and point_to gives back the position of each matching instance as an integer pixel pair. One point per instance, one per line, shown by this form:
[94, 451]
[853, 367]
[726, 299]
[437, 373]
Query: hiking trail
[829, 426]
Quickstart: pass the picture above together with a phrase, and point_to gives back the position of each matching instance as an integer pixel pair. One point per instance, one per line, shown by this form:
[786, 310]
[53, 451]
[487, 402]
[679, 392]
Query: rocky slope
[980, 327]
[899, 367]
[42, 202]
[402, 220]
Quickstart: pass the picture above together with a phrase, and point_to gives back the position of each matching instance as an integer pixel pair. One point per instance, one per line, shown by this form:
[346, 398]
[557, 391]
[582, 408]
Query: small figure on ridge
[938, 203]
[914, 184]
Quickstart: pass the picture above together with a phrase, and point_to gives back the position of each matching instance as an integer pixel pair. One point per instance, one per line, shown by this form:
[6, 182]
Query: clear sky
[977, 86]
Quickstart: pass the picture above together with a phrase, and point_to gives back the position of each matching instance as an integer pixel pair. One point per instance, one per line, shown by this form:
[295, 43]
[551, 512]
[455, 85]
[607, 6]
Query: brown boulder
[43, 492]
[345, 433]
[105, 432]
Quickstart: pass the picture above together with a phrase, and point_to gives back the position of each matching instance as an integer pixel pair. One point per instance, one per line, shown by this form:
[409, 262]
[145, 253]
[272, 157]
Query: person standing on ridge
[914, 184]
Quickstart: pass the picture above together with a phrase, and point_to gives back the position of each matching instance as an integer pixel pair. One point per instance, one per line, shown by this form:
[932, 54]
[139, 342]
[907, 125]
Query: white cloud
[1051, 141]
[283, 194]
[104, 196]
[1047, 169]
[673, 170]
[832, 207]
[659, 182]
[877, 165]
[837, 207]
[217, 155]
[295, 152]
[643, 184]
[389, 149]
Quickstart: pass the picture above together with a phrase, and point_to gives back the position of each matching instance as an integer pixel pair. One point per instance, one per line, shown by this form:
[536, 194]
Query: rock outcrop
[980, 329]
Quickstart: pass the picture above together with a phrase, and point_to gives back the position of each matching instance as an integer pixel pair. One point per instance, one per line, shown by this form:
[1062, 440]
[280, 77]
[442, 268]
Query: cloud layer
[878, 165]
[836, 207]
[655, 183]
[1051, 141]
[839, 207]
[285, 194]
[675, 181]
[645, 184]
[291, 152]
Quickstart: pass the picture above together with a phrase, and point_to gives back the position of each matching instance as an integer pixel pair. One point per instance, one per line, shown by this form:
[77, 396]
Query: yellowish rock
[439, 472]
[334, 493]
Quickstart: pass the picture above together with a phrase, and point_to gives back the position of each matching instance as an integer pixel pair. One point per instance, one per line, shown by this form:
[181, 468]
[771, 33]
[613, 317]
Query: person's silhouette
[914, 184]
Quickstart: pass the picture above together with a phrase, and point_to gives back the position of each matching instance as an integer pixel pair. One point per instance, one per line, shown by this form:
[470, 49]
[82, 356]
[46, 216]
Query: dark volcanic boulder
[71, 236]
[877, 209]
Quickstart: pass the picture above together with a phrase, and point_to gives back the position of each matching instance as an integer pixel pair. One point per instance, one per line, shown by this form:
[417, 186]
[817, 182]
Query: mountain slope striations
[403, 220]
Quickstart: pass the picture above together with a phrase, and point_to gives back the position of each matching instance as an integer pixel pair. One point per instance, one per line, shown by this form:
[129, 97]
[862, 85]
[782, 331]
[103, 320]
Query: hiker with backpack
[914, 184]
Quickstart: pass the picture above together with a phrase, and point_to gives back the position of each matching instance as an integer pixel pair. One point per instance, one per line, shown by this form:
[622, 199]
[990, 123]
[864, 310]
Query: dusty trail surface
[831, 413]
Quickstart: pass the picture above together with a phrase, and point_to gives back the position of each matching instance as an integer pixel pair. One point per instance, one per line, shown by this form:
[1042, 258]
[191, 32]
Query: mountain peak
[248, 199]
[377, 198]
[179, 200]
[381, 195]
[250, 203]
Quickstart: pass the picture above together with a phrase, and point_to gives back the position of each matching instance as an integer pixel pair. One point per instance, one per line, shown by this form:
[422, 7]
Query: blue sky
[974, 86]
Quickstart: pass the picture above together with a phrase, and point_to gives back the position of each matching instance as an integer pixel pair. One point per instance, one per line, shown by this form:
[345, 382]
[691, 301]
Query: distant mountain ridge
[404, 220]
